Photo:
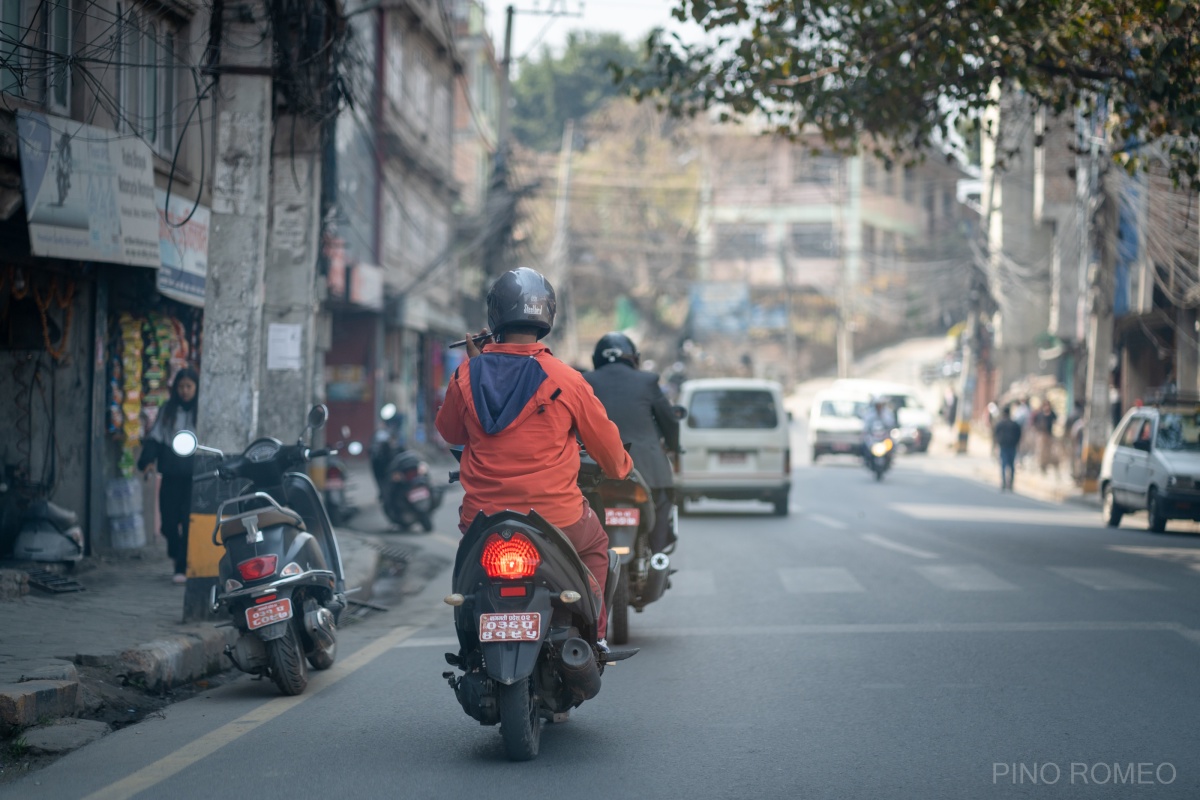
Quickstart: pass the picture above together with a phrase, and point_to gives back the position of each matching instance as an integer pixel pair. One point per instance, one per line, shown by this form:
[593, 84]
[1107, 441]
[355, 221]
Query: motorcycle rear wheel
[285, 657]
[618, 629]
[425, 521]
[520, 723]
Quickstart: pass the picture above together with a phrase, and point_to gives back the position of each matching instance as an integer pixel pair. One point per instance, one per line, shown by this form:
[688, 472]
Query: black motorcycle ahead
[526, 623]
[879, 449]
[281, 577]
[627, 509]
[406, 489]
[340, 509]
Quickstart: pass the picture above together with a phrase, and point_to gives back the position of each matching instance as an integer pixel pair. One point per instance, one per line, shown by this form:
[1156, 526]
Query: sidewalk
[60, 653]
[980, 464]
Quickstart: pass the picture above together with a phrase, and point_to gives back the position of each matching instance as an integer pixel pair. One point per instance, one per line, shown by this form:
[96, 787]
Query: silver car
[1152, 462]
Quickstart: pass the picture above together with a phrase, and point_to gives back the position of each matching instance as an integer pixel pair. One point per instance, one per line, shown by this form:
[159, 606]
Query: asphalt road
[926, 637]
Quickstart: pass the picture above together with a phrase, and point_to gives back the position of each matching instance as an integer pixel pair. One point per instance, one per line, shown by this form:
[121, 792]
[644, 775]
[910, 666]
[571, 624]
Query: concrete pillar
[231, 374]
[1098, 414]
[290, 308]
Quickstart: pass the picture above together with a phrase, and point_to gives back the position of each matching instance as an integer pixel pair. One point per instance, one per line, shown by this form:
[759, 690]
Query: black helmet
[521, 297]
[614, 347]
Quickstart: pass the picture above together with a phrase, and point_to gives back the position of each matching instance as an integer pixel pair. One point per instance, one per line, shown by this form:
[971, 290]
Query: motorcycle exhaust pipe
[320, 625]
[580, 672]
[656, 578]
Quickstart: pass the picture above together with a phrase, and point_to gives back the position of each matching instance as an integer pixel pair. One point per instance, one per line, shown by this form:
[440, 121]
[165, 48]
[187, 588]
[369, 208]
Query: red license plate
[524, 626]
[267, 613]
[623, 516]
[731, 458]
[418, 493]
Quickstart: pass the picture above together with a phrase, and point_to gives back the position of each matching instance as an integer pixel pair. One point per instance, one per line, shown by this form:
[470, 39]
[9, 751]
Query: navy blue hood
[501, 386]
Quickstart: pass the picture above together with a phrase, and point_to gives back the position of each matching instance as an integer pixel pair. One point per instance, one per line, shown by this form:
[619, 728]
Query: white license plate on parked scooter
[268, 613]
[418, 494]
[618, 517]
[525, 626]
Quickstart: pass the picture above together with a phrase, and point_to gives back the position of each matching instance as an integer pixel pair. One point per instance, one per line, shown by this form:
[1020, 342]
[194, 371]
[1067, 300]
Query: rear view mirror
[318, 416]
[680, 412]
[184, 444]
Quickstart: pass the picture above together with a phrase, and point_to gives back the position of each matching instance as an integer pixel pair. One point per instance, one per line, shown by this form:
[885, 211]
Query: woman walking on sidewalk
[175, 493]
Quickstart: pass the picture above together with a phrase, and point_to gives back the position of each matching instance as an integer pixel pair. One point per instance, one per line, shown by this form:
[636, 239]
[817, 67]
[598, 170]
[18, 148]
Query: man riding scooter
[517, 409]
[880, 414]
[645, 419]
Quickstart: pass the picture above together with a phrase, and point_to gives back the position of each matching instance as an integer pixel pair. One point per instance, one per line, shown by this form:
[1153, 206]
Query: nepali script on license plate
[622, 516]
[513, 627]
[418, 494]
[267, 613]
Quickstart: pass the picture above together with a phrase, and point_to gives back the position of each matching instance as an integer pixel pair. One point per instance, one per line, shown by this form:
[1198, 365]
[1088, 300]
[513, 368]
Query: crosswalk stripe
[828, 522]
[888, 544]
[964, 578]
[1105, 579]
[803, 580]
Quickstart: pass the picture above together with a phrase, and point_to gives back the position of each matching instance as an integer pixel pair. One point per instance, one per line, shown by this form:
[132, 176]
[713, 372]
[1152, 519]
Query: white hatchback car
[1152, 462]
[835, 422]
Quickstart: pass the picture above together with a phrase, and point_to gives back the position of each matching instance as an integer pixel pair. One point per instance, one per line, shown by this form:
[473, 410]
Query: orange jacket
[517, 408]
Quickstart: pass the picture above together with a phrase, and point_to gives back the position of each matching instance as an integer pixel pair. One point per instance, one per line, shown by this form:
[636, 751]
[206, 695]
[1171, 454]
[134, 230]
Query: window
[170, 95]
[819, 170]
[58, 53]
[747, 169]
[10, 35]
[910, 185]
[814, 240]
[726, 408]
[150, 120]
[741, 241]
[1178, 429]
[1138, 428]
[419, 99]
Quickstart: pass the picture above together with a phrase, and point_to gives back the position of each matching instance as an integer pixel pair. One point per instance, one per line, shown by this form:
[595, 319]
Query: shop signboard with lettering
[183, 242]
[89, 192]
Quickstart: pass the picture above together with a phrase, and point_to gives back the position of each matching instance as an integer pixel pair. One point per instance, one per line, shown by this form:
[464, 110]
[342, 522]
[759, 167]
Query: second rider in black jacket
[645, 419]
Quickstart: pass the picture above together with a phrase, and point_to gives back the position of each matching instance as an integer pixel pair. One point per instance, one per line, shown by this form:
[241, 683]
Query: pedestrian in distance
[1042, 423]
[637, 405]
[1006, 437]
[175, 493]
[517, 409]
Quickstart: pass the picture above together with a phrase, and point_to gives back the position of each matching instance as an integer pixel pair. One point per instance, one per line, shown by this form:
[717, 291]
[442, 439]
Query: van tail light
[257, 568]
[509, 559]
[787, 461]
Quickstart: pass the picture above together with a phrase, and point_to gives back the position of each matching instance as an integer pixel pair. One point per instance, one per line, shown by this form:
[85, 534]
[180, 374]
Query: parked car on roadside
[1152, 462]
[736, 442]
[835, 423]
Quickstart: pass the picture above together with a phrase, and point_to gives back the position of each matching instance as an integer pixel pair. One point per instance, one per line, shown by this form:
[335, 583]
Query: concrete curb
[156, 666]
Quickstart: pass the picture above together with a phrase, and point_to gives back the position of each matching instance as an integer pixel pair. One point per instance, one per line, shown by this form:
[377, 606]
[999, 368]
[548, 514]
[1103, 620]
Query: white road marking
[964, 578]
[1106, 579]
[693, 583]
[815, 580]
[1002, 515]
[888, 544]
[429, 641]
[828, 522]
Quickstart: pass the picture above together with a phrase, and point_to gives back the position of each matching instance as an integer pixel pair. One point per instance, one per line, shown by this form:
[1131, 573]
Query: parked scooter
[34, 529]
[628, 511]
[526, 623]
[281, 576]
[879, 449]
[406, 489]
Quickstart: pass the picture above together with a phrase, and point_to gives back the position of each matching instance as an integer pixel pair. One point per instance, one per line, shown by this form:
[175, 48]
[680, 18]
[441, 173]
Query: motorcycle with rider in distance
[526, 621]
[406, 490]
[280, 577]
[627, 510]
[879, 449]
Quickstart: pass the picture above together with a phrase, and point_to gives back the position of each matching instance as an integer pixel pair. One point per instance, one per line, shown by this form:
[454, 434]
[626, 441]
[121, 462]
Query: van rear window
[732, 408]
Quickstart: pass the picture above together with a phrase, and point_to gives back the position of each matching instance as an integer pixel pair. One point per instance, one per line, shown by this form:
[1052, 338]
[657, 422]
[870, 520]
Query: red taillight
[333, 473]
[266, 598]
[510, 559]
[257, 568]
[512, 591]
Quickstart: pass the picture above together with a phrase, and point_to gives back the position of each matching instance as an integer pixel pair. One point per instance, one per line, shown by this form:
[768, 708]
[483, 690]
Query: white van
[736, 442]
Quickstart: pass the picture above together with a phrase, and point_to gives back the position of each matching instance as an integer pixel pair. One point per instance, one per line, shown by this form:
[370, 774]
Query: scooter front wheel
[285, 657]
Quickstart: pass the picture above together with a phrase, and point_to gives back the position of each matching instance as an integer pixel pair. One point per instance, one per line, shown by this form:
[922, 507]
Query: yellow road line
[209, 743]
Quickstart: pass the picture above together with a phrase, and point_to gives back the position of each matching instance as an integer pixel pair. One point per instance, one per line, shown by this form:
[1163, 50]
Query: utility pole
[851, 236]
[231, 374]
[1098, 413]
[505, 88]
[560, 246]
[789, 332]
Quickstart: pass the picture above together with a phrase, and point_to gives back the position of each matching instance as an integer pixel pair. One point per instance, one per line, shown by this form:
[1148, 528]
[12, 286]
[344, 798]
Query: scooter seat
[266, 518]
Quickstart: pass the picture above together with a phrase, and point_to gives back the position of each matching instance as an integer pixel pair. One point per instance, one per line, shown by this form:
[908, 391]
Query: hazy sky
[633, 19]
